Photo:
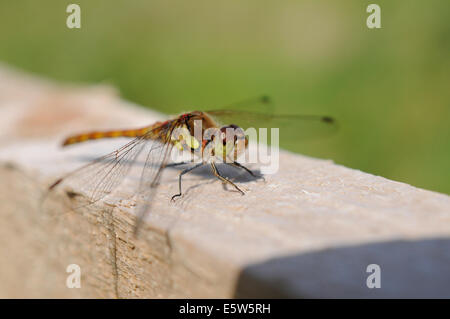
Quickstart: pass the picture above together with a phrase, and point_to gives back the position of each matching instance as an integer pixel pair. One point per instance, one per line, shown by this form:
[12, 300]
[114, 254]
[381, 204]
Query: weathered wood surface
[308, 231]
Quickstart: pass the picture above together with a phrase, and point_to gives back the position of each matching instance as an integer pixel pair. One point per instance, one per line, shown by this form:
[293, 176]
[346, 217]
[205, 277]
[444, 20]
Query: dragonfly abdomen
[108, 134]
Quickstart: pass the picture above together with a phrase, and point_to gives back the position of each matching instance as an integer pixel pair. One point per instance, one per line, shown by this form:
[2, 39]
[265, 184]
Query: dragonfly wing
[99, 178]
[291, 126]
[259, 104]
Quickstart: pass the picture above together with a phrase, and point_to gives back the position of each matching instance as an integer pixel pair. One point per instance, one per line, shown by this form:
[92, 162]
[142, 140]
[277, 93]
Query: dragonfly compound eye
[232, 132]
[233, 139]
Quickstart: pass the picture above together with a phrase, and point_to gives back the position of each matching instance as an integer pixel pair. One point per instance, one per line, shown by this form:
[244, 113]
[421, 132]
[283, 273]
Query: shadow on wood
[408, 269]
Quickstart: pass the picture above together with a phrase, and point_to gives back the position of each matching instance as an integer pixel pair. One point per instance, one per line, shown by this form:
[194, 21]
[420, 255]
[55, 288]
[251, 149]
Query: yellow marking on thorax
[185, 141]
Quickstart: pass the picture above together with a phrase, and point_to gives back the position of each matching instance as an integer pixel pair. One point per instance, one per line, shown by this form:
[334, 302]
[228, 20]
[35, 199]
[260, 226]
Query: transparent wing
[260, 104]
[292, 127]
[99, 178]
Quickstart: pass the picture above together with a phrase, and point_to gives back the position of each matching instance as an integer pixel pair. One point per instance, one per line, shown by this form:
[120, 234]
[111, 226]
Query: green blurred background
[389, 88]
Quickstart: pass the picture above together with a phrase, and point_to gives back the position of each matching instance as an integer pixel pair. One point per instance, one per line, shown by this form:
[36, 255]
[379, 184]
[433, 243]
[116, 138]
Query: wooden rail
[310, 230]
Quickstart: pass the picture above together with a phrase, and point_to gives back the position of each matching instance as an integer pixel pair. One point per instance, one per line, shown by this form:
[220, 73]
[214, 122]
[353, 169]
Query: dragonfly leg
[187, 170]
[239, 165]
[224, 179]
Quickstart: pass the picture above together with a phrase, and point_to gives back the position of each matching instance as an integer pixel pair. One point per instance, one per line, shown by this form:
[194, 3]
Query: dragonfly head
[235, 132]
[233, 140]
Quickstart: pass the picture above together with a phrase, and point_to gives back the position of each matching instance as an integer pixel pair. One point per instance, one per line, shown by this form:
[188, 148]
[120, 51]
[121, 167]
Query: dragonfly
[155, 143]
